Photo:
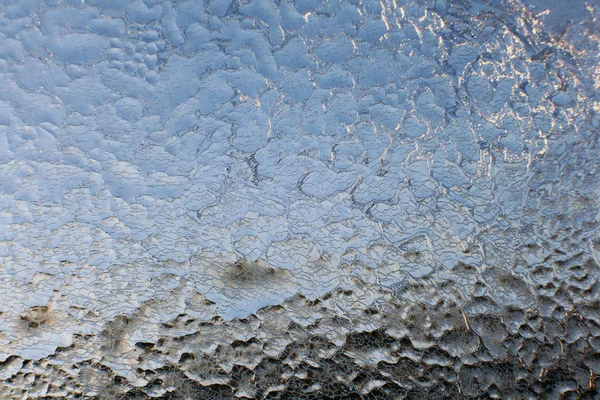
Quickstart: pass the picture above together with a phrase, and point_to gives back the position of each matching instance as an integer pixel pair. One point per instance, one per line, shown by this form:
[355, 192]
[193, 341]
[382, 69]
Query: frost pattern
[297, 199]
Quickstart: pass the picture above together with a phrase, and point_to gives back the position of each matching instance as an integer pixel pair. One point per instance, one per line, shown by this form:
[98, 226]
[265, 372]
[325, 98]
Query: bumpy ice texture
[297, 199]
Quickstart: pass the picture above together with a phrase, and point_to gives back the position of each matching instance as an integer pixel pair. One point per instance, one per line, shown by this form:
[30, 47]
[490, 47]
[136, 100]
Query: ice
[248, 81]
[341, 109]
[12, 49]
[83, 94]
[461, 56]
[141, 13]
[324, 182]
[214, 92]
[294, 54]
[78, 48]
[334, 77]
[266, 11]
[218, 7]
[298, 85]
[110, 27]
[299, 199]
[561, 99]
[169, 26]
[189, 12]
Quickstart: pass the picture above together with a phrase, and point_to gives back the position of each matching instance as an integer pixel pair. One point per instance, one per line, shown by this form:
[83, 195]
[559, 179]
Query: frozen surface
[299, 199]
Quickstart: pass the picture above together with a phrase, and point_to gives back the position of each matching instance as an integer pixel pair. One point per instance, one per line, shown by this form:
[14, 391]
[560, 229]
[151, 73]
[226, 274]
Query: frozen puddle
[298, 199]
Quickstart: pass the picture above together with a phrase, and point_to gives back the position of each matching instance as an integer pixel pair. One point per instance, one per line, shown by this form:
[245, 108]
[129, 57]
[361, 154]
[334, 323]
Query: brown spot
[114, 332]
[36, 316]
[245, 270]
